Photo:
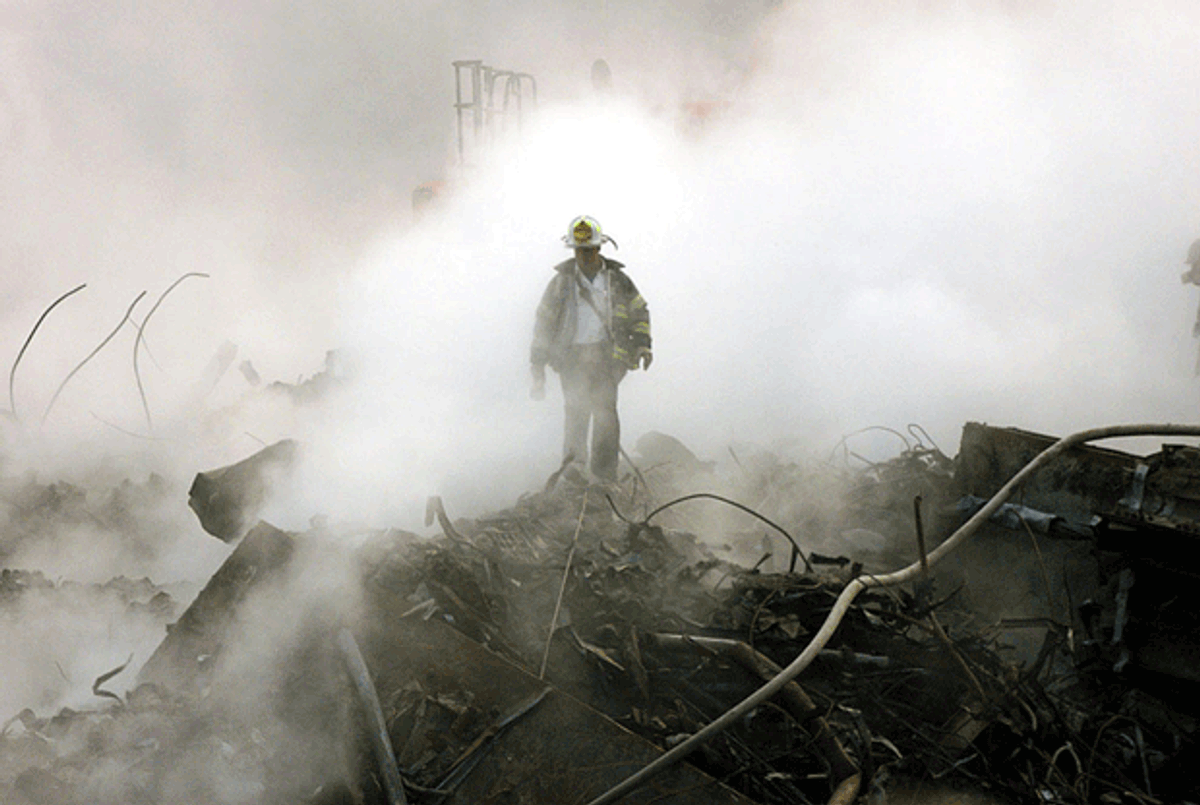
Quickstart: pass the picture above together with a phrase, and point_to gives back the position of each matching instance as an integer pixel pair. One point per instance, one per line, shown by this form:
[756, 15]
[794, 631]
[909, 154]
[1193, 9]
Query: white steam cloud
[935, 214]
[926, 216]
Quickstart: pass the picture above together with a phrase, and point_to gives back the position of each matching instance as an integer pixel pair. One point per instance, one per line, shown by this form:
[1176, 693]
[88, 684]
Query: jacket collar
[566, 266]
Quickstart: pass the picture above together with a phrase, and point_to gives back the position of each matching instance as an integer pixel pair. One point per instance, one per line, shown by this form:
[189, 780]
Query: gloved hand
[644, 357]
[538, 390]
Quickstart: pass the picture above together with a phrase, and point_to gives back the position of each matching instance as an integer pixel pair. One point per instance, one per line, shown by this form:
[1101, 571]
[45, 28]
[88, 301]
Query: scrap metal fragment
[792, 696]
[228, 500]
[435, 509]
[595, 651]
[100, 680]
[474, 753]
[1015, 517]
[1137, 489]
[249, 373]
[1125, 584]
[860, 583]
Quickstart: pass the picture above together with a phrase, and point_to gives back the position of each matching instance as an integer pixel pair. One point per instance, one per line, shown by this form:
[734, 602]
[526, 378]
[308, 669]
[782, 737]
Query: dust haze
[935, 214]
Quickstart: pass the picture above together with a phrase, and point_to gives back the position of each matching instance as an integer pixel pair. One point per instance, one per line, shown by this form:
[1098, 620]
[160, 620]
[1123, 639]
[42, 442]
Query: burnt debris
[228, 500]
[547, 652]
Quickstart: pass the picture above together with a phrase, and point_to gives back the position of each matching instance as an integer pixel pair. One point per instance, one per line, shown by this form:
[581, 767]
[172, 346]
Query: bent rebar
[795, 546]
[12, 374]
[797, 702]
[91, 355]
[857, 585]
[868, 429]
[141, 336]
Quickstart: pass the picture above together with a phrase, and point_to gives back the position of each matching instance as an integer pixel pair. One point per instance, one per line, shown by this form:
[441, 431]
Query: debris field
[546, 652]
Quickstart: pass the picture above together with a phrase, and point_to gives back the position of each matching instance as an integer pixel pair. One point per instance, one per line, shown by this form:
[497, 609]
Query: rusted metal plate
[1149, 496]
[1077, 485]
[553, 750]
[1146, 512]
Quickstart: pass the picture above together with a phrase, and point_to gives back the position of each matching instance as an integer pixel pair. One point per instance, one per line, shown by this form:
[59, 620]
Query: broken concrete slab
[183, 662]
[228, 500]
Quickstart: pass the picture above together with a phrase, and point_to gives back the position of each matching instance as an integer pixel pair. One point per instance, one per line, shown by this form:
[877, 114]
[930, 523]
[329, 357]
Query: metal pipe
[458, 108]
[563, 587]
[477, 99]
[920, 535]
[793, 696]
[857, 585]
[381, 742]
[847, 790]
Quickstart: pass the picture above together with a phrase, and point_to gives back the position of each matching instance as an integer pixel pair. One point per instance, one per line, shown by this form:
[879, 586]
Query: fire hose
[857, 585]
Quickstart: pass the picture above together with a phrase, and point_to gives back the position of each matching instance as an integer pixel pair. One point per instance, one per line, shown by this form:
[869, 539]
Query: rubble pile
[545, 652]
[914, 686]
[132, 513]
[143, 748]
[132, 596]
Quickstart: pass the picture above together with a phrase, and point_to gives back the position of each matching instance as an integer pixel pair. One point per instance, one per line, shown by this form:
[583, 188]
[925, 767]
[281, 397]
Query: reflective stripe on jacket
[554, 327]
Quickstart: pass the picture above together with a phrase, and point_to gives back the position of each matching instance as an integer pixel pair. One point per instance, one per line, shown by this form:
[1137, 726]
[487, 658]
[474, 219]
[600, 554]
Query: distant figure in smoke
[1192, 275]
[601, 77]
[592, 327]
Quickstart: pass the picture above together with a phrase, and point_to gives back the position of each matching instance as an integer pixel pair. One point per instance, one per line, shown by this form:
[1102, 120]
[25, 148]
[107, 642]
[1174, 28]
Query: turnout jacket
[627, 319]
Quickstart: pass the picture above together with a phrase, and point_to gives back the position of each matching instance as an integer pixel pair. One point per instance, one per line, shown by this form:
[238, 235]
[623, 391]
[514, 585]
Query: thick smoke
[936, 214]
[925, 216]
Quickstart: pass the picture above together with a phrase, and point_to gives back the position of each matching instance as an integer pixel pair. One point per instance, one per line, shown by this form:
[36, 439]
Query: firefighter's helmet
[1193, 254]
[584, 232]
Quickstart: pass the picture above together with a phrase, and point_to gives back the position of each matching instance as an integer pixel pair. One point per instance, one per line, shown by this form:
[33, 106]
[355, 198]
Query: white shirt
[590, 328]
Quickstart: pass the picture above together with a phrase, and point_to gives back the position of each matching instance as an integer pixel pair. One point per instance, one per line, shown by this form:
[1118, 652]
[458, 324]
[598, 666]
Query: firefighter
[592, 326]
[1192, 275]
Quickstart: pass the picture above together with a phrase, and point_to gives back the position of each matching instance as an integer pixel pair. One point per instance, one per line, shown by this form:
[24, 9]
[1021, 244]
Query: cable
[857, 585]
[709, 495]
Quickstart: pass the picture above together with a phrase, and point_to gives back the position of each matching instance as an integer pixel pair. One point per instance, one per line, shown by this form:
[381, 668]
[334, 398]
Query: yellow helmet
[584, 232]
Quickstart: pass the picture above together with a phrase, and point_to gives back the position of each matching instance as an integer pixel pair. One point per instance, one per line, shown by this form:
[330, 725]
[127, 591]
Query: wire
[736, 505]
[857, 585]
[12, 403]
[896, 433]
[563, 588]
[91, 355]
[141, 336]
[914, 428]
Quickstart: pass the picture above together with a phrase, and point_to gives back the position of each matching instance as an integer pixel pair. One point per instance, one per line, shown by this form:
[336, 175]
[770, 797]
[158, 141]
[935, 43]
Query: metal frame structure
[477, 108]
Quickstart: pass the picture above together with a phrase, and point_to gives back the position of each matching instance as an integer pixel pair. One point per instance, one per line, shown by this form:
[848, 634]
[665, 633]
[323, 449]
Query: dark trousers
[589, 382]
